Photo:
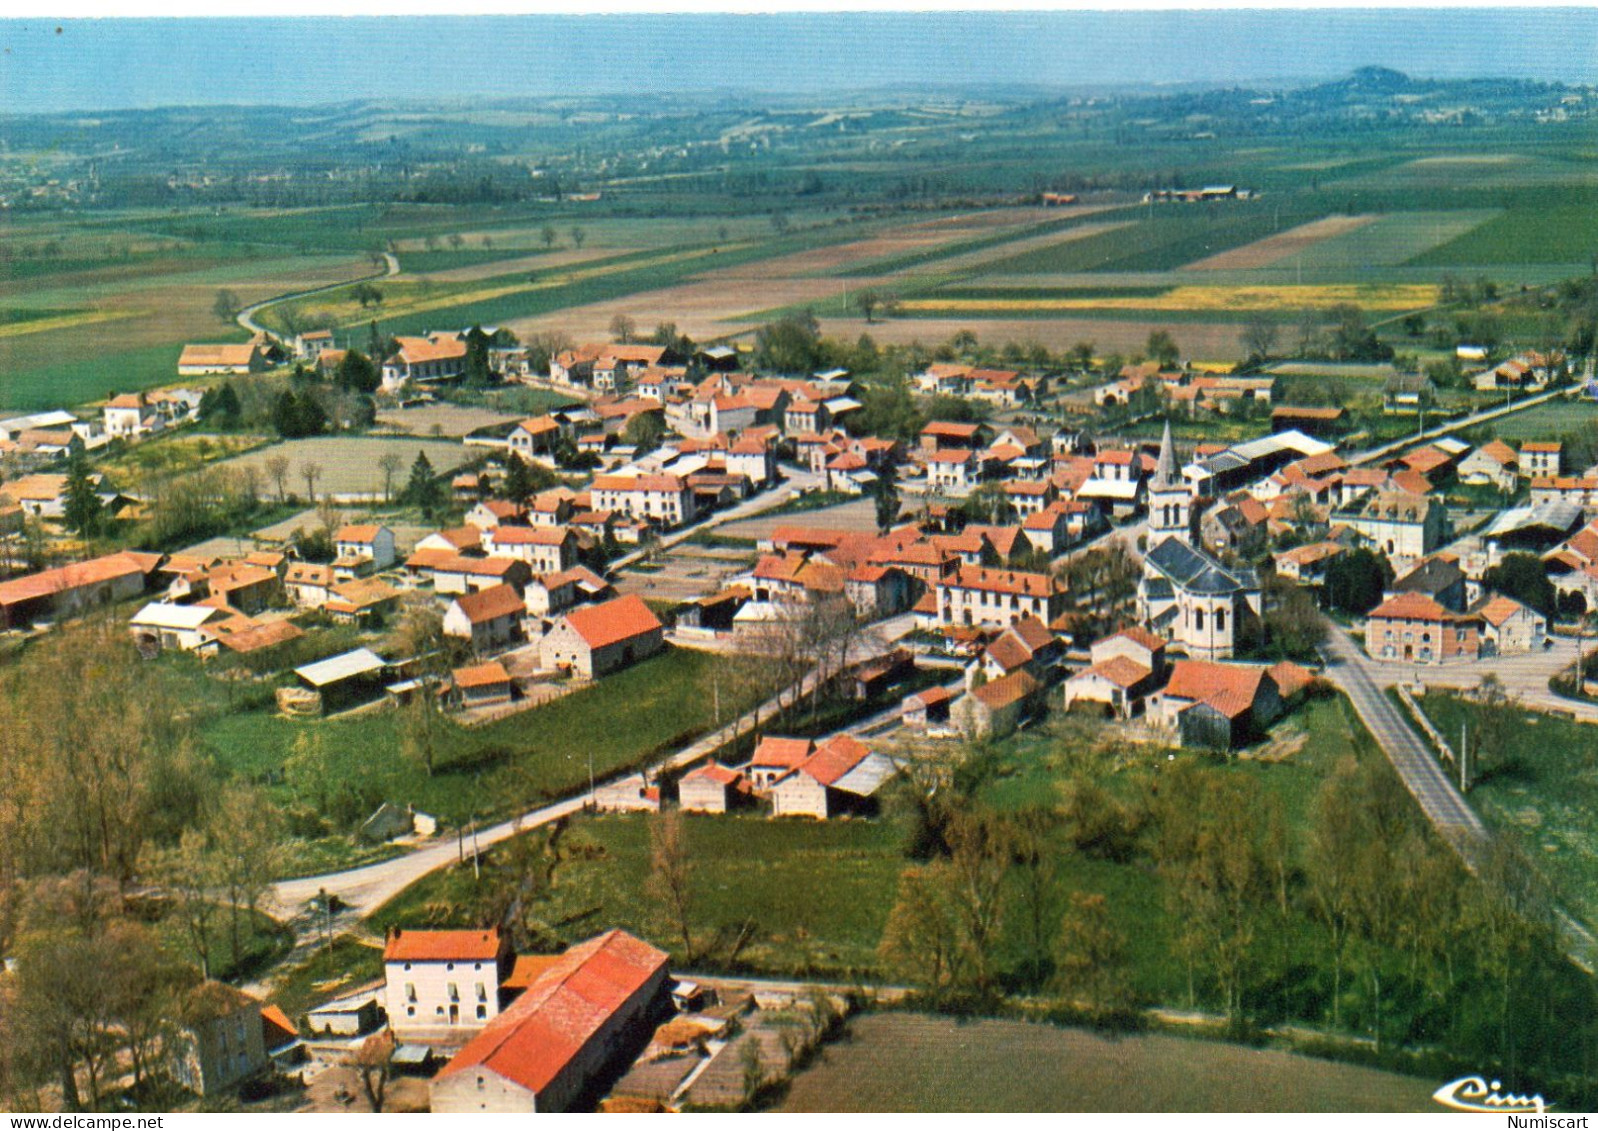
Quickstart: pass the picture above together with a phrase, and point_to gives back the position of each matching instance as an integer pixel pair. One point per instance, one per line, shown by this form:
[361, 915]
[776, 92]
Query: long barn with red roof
[580, 1018]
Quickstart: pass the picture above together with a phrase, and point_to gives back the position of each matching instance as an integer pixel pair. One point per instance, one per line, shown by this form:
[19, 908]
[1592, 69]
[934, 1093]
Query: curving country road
[246, 317]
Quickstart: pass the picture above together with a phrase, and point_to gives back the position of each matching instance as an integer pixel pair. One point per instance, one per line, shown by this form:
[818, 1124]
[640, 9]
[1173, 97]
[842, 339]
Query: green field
[1542, 789]
[1547, 421]
[489, 771]
[1555, 231]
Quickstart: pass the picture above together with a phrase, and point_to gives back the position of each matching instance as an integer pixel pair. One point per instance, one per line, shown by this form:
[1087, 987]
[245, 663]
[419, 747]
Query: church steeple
[1170, 501]
[1165, 470]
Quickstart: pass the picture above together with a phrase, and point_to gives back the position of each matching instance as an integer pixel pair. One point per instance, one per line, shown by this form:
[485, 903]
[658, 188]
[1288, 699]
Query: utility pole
[477, 867]
[1464, 757]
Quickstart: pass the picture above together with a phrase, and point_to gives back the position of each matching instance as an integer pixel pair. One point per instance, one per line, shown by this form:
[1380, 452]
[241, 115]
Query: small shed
[712, 788]
[344, 680]
[345, 1017]
[927, 708]
[482, 684]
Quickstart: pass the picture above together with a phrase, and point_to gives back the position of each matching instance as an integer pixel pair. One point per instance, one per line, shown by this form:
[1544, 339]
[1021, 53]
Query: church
[1207, 609]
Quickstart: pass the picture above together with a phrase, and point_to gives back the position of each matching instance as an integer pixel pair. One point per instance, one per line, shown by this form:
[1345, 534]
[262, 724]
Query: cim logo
[1473, 1093]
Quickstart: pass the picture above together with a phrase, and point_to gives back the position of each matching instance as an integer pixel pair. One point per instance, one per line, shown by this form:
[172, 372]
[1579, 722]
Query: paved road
[1458, 423]
[367, 888]
[1362, 680]
[246, 317]
[1524, 676]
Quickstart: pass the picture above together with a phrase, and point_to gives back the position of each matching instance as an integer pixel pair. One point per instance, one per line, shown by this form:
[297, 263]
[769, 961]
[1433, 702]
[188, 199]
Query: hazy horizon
[118, 64]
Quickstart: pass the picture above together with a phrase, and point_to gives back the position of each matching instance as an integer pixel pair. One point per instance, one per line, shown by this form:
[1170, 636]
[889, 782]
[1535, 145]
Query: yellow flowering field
[1374, 296]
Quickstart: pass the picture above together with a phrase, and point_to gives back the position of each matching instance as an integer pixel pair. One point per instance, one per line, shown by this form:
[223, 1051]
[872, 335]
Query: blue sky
[102, 64]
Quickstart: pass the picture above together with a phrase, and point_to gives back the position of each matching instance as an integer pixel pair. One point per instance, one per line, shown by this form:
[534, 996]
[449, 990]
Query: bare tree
[373, 1061]
[310, 472]
[623, 329]
[671, 873]
[277, 469]
[390, 463]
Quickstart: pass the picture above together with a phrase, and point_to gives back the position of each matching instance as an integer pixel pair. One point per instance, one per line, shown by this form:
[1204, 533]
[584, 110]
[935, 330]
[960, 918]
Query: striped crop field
[1378, 296]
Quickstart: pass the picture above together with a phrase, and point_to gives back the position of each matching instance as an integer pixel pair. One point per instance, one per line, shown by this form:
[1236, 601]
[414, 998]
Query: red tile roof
[565, 1009]
[481, 675]
[529, 535]
[490, 604]
[835, 758]
[443, 946]
[614, 621]
[76, 575]
[784, 753]
[1123, 671]
[1221, 685]
[1002, 581]
[1002, 692]
[1411, 606]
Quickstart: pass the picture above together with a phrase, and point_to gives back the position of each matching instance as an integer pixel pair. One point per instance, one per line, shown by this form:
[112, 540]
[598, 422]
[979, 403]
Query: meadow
[1541, 788]
[349, 465]
[486, 772]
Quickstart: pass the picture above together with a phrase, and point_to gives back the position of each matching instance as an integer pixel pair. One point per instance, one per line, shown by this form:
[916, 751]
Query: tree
[578, 236]
[1259, 337]
[420, 727]
[547, 234]
[644, 431]
[244, 833]
[82, 510]
[867, 300]
[1090, 955]
[989, 505]
[356, 373]
[374, 1059]
[219, 406]
[226, 306]
[423, 489]
[1352, 339]
[1161, 347]
[277, 469]
[921, 940]
[1293, 623]
[885, 496]
[792, 344]
[1355, 581]
[623, 329]
[477, 374]
[671, 875]
[389, 463]
[310, 471]
[1524, 578]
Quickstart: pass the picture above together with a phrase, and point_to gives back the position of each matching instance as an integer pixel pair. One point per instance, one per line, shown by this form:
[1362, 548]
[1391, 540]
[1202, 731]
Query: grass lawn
[813, 895]
[489, 771]
[1546, 421]
[325, 974]
[262, 941]
[1542, 790]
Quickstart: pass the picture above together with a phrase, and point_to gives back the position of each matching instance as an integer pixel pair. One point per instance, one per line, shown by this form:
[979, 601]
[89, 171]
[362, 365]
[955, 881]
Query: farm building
[71, 589]
[843, 776]
[580, 1020]
[996, 708]
[1217, 706]
[598, 639]
[220, 1040]
[927, 708]
[200, 360]
[159, 626]
[482, 684]
[346, 679]
[711, 788]
[487, 619]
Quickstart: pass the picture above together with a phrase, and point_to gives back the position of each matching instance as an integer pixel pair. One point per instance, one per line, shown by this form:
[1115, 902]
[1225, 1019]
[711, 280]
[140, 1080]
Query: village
[959, 584]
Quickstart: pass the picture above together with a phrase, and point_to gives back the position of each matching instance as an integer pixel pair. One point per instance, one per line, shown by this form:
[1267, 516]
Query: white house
[362, 549]
[487, 618]
[443, 985]
[585, 1014]
[546, 549]
[160, 625]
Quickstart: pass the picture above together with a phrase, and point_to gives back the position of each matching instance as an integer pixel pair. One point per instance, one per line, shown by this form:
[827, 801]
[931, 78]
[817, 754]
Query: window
[482, 994]
[410, 1011]
[1198, 619]
[1220, 620]
[454, 992]
[410, 991]
[482, 1012]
